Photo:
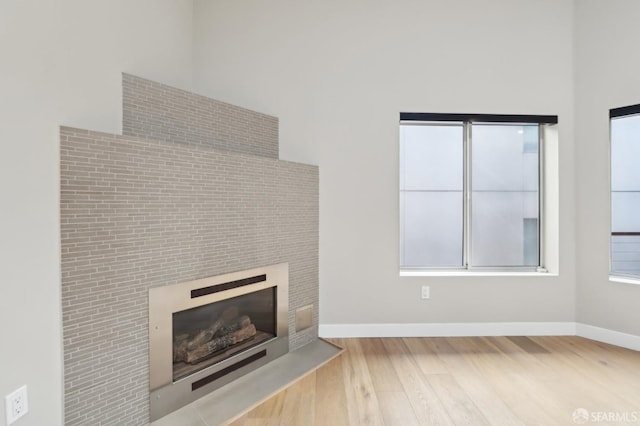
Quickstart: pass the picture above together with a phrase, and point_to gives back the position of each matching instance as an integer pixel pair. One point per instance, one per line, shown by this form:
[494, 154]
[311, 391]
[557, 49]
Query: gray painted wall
[337, 75]
[606, 77]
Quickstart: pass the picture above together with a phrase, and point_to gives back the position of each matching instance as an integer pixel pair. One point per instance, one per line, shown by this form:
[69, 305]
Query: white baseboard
[617, 338]
[605, 335]
[449, 329]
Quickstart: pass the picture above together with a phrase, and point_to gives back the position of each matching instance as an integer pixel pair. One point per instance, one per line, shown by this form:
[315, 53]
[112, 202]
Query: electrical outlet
[425, 291]
[16, 404]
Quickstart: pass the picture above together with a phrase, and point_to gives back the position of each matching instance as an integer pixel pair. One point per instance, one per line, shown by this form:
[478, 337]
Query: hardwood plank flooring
[462, 381]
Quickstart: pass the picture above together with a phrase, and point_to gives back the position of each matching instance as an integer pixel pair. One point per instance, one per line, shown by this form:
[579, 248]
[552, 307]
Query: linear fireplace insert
[205, 333]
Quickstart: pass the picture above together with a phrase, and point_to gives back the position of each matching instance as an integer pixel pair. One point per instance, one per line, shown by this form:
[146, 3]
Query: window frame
[467, 121]
[618, 113]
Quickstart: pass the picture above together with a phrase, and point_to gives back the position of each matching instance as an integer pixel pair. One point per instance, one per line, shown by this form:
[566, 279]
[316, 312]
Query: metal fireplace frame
[167, 395]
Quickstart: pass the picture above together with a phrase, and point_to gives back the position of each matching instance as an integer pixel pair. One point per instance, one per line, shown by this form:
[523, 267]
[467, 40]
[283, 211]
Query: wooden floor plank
[425, 356]
[362, 402]
[602, 387]
[426, 404]
[479, 390]
[571, 389]
[459, 406]
[396, 409]
[299, 403]
[331, 398]
[621, 360]
[502, 381]
[383, 375]
[526, 398]
[261, 422]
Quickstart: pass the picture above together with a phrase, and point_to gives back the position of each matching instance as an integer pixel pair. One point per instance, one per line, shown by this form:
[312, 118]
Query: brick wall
[161, 112]
[138, 213]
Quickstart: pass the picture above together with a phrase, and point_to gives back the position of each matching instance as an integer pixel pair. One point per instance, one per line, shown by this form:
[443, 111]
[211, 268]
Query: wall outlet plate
[425, 292]
[16, 404]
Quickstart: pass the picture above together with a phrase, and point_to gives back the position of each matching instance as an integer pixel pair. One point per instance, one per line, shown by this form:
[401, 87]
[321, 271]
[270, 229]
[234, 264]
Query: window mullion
[466, 233]
[541, 204]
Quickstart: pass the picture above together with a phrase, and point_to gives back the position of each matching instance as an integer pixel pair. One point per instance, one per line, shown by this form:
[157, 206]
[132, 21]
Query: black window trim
[624, 111]
[483, 118]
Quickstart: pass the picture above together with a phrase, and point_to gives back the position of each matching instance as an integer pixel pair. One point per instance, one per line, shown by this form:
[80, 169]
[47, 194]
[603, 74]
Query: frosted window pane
[431, 184]
[503, 158]
[431, 157]
[501, 235]
[625, 212]
[504, 197]
[431, 228]
[625, 154]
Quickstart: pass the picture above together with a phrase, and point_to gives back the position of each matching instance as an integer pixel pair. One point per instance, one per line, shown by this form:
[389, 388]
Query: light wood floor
[463, 381]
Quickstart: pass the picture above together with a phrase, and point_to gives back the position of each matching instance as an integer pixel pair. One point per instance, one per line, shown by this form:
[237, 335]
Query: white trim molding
[449, 329]
[604, 335]
[629, 341]
[625, 280]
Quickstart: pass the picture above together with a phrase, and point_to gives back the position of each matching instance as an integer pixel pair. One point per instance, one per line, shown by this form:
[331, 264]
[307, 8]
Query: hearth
[205, 333]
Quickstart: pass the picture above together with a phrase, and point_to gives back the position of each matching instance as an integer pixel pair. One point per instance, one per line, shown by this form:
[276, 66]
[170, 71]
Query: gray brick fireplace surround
[194, 188]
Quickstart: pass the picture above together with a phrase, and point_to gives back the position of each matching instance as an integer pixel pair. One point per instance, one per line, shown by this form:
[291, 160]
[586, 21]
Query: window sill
[625, 280]
[478, 274]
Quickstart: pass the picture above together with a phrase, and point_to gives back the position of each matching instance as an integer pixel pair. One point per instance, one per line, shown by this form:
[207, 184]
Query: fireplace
[205, 333]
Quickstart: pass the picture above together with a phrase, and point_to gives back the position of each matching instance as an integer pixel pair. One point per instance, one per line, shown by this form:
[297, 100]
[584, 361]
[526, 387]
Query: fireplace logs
[225, 331]
[205, 335]
[220, 343]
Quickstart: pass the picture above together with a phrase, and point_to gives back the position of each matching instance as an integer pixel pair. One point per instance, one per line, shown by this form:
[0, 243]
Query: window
[625, 191]
[470, 191]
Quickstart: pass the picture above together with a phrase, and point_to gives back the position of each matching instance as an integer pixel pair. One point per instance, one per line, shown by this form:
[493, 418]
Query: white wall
[607, 77]
[61, 63]
[338, 73]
